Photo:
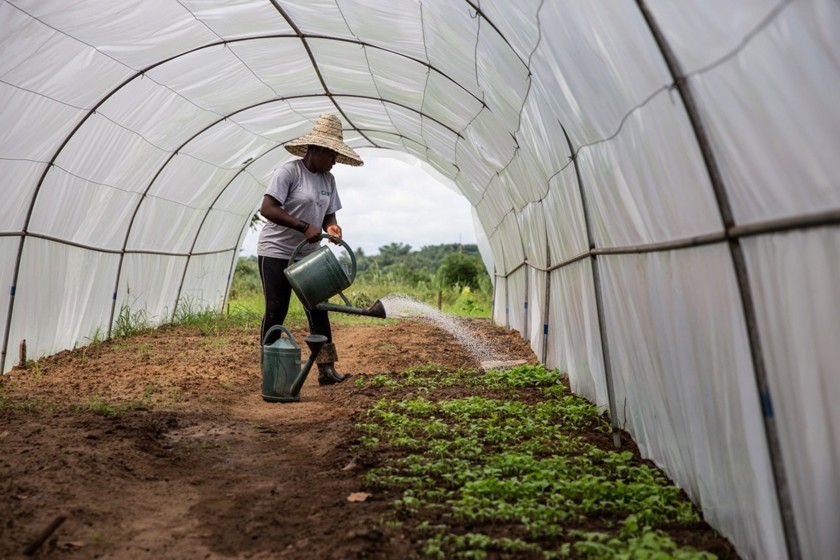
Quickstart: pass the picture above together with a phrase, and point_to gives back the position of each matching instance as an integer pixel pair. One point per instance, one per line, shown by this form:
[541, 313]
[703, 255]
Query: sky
[391, 201]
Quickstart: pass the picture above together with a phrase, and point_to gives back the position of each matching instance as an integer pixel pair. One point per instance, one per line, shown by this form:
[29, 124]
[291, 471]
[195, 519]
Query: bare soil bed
[160, 446]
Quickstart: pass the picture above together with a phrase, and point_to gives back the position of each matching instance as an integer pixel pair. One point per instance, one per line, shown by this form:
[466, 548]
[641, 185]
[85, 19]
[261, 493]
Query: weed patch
[96, 405]
[23, 405]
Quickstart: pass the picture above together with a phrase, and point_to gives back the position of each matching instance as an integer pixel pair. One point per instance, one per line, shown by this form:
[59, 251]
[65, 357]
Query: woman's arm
[274, 212]
[331, 226]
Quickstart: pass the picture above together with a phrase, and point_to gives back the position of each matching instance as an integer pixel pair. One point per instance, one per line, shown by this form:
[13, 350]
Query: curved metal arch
[304, 36]
[51, 163]
[298, 34]
[483, 16]
[142, 72]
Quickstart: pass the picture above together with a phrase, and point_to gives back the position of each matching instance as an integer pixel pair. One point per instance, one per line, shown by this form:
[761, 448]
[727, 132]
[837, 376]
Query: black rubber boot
[327, 375]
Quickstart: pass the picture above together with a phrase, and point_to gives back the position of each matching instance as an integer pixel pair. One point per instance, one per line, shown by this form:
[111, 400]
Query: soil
[160, 446]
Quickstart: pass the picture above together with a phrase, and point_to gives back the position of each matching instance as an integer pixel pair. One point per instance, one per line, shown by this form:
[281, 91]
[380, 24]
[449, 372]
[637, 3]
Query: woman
[300, 202]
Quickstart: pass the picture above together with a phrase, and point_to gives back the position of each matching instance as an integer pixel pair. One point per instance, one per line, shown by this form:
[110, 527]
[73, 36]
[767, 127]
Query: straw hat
[327, 134]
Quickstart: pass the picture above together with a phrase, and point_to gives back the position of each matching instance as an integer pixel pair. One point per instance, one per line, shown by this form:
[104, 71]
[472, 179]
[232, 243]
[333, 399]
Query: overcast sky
[390, 201]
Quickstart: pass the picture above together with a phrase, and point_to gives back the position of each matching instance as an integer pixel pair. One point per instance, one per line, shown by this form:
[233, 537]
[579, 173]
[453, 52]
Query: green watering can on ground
[280, 362]
[319, 276]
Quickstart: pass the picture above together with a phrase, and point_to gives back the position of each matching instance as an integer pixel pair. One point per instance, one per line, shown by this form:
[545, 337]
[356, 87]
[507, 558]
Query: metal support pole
[493, 301]
[599, 298]
[507, 292]
[740, 268]
[525, 306]
[605, 345]
[547, 308]
[507, 302]
[10, 308]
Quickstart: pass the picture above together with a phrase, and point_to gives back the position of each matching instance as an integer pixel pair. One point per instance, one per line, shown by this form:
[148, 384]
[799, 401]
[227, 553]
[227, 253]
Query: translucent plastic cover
[684, 153]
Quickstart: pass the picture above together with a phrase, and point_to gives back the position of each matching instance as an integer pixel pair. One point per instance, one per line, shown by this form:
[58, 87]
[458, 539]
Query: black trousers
[278, 292]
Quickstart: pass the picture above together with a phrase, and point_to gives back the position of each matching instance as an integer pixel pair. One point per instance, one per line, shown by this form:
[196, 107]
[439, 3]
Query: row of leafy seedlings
[511, 471]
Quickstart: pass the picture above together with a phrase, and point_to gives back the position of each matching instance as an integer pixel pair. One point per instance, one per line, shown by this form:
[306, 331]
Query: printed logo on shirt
[325, 193]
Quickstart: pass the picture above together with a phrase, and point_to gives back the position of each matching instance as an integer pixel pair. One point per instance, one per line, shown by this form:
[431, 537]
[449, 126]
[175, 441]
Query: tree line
[447, 264]
[432, 267]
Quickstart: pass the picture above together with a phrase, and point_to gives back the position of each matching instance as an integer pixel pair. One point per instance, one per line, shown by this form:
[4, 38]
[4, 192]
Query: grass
[246, 296]
[252, 307]
[245, 307]
[130, 322]
[497, 475]
[96, 405]
[21, 405]
[245, 312]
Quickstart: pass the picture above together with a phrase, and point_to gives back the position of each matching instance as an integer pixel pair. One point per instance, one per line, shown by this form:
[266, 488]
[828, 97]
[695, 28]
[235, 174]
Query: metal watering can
[319, 276]
[279, 361]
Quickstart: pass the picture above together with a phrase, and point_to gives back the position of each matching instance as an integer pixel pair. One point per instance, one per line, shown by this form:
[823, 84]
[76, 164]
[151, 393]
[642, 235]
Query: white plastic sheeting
[683, 374]
[575, 341]
[794, 279]
[598, 142]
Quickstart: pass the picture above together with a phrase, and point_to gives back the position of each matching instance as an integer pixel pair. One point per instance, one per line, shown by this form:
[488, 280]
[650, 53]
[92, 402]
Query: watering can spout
[315, 343]
[375, 310]
[319, 276]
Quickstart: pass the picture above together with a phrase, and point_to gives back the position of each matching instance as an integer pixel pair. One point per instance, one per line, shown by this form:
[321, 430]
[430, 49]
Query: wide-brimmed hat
[327, 134]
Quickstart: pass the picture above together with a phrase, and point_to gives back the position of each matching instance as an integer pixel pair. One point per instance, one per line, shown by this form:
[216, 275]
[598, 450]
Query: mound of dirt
[160, 446]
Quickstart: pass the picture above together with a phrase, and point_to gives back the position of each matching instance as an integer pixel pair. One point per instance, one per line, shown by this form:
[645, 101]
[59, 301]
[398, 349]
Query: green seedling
[480, 461]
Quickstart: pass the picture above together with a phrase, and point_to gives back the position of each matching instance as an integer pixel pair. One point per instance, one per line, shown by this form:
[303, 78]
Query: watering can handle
[328, 236]
[279, 328]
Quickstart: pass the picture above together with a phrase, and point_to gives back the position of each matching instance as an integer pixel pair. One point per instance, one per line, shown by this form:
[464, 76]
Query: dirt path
[161, 447]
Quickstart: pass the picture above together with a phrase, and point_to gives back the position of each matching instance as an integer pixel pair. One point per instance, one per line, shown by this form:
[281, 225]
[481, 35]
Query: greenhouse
[654, 186]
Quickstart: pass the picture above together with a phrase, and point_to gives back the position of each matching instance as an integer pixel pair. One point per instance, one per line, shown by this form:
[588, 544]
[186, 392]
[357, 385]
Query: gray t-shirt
[305, 195]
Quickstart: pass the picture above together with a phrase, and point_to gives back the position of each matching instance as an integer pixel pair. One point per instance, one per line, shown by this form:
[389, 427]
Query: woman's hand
[312, 234]
[335, 231]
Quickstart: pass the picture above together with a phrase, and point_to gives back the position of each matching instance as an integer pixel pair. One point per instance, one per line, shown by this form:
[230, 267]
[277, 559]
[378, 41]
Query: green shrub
[246, 279]
[461, 270]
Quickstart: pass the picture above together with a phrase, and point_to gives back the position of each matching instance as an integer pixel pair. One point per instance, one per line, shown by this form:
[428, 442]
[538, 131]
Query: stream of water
[400, 306]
